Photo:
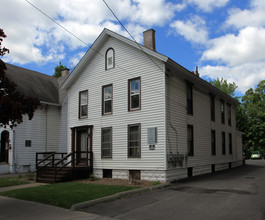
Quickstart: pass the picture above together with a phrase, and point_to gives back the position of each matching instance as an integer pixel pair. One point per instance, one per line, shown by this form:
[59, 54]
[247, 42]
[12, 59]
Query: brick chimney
[65, 72]
[149, 39]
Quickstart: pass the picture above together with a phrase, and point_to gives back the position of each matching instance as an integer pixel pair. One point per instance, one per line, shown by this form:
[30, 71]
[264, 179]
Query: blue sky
[224, 38]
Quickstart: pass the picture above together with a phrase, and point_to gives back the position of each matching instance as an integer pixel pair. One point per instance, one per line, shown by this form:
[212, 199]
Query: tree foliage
[58, 70]
[223, 85]
[253, 117]
[13, 104]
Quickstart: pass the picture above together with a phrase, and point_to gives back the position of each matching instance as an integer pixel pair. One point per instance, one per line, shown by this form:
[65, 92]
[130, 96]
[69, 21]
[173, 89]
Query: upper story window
[109, 59]
[190, 141]
[134, 141]
[83, 101]
[134, 96]
[212, 105]
[189, 98]
[222, 108]
[229, 114]
[107, 99]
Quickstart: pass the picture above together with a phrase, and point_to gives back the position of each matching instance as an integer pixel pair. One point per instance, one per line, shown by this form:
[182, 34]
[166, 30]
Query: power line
[91, 47]
[131, 36]
[56, 22]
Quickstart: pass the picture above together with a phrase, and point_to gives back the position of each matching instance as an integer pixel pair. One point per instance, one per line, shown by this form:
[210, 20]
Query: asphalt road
[237, 193]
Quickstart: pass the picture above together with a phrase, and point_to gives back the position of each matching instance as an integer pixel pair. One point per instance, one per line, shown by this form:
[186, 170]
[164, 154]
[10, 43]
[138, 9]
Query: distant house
[45, 132]
[145, 116]
[128, 110]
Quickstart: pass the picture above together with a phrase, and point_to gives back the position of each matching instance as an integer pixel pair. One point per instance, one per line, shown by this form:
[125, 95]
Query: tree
[13, 104]
[253, 120]
[58, 70]
[223, 85]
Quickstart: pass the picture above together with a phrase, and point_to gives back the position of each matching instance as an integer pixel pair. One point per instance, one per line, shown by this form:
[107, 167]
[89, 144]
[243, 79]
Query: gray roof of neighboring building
[35, 84]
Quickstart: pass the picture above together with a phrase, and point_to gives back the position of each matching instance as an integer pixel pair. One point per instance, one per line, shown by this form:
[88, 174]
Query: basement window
[27, 143]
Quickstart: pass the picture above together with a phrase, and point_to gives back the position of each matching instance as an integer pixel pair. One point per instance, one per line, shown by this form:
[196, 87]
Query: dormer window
[109, 59]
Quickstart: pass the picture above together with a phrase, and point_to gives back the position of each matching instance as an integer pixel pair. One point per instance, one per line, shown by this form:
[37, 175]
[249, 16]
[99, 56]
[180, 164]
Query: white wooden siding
[43, 131]
[202, 125]
[130, 63]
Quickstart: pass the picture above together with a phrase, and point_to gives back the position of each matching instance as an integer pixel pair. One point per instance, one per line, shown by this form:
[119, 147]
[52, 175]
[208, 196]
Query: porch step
[47, 174]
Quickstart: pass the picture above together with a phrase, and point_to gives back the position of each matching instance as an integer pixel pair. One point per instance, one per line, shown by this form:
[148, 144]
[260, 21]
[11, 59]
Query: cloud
[32, 37]
[75, 59]
[254, 16]
[193, 30]
[207, 5]
[246, 47]
[245, 76]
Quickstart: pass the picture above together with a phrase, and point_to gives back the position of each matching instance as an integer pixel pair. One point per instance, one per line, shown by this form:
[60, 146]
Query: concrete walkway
[4, 189]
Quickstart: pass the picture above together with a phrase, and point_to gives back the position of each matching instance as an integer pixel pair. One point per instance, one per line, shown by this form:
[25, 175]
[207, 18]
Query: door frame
[75, 130]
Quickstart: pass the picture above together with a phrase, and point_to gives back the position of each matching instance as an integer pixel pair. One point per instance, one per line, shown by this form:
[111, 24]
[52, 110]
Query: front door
[83, 145]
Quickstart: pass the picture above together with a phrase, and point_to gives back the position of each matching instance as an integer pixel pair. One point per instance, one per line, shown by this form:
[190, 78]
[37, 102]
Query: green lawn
[5, 182]
[66, 194]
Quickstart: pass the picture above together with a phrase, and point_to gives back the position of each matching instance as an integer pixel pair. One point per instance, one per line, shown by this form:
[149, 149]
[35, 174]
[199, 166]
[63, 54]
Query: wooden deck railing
[60, 160]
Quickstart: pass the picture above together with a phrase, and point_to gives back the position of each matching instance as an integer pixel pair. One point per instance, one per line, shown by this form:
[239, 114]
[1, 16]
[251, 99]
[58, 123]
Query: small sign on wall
[152, 137]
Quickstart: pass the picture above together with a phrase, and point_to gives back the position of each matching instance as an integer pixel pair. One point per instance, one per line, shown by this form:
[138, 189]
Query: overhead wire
[68, 31]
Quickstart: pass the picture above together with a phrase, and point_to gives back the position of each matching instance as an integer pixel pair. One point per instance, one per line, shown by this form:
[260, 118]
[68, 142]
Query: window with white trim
[109, 59]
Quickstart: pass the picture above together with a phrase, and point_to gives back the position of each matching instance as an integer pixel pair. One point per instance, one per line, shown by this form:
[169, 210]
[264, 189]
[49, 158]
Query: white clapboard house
[45, 132]
[135, 113]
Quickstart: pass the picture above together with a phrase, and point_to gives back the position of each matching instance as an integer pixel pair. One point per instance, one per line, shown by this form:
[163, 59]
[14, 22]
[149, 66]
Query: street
[237, 193]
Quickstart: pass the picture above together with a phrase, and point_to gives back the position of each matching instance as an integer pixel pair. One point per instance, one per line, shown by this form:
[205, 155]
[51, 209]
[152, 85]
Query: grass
[66, 194]
[5, 182]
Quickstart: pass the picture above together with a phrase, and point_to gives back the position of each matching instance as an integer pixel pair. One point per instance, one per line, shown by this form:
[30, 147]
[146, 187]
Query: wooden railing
[60, 160]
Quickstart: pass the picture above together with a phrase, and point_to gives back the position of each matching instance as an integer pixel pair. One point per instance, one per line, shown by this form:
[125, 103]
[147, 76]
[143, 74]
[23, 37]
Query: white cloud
[245, 76]
[207, 5]
[32, 37]
[73, 61]
[193, 30]
[254, 16]
[248, 46]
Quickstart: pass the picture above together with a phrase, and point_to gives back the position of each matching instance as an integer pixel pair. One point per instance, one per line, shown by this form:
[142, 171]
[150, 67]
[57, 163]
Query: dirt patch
[109, 181]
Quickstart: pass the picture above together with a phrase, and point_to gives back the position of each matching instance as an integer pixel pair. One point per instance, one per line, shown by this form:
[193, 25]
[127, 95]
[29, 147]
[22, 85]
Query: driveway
[237, 193]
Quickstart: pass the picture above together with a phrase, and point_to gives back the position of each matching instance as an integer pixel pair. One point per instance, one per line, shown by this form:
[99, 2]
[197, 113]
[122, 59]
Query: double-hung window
[134, 141]
[230, 144]
[189, 98]
[223, 143]
[190, 141]
[134, 94]
[212, 105]
[83, 102]
[229, 116]
[213, 140]
[106, 142]
[107, 99]
[222, 108]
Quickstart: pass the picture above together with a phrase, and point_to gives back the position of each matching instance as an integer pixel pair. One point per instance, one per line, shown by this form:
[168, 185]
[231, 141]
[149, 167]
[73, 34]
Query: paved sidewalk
[4, 189]
[15, 209]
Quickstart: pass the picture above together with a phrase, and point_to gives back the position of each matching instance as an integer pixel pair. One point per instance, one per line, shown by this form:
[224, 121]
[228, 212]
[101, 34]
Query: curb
[78, 206]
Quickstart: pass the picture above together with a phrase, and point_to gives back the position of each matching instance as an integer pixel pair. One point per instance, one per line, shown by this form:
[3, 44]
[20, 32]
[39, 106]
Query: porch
[52, 167]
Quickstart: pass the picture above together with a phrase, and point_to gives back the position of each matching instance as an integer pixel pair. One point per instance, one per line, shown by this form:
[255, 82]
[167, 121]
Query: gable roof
[185, 74]
[35, 84]
[94, 50]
